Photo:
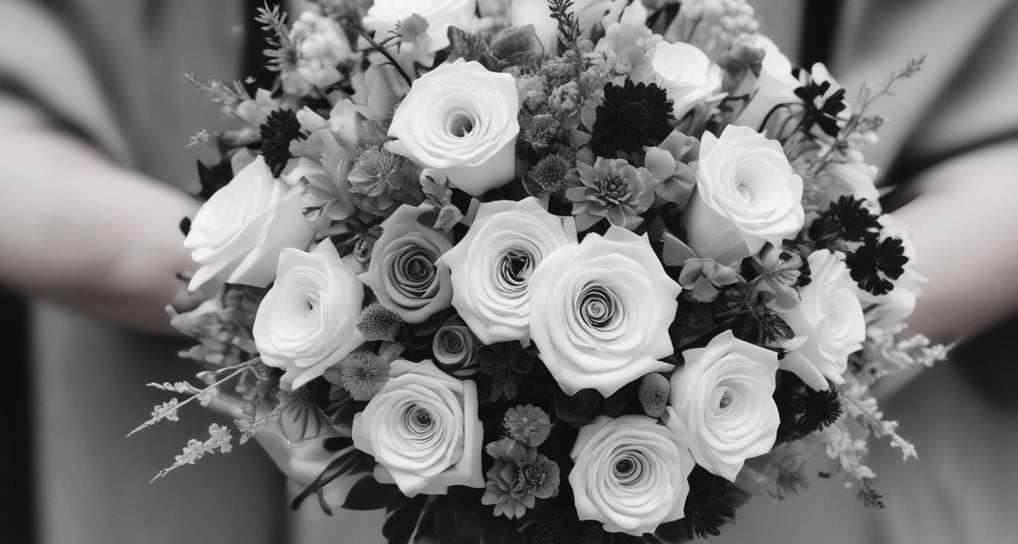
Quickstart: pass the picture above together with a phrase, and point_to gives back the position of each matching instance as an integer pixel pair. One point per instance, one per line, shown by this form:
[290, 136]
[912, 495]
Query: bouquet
[542, 271]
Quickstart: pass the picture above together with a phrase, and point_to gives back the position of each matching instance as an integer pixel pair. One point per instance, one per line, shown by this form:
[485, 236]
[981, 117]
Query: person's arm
[965, 228]
[81, 230]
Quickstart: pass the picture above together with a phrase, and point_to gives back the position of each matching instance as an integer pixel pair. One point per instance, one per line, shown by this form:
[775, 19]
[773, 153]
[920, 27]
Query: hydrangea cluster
[565, 268]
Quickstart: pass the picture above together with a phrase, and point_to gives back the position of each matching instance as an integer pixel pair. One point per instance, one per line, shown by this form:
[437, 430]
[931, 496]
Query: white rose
[492, 265]
[460, 119]
[686, 74]
[600, 312]
[630, 474]
[383, 16]
[306, 322]
[746, 195]
[829, 319]
[423, 430]
[588, 12]
[776, 85]
[238, 233]
[721, 403]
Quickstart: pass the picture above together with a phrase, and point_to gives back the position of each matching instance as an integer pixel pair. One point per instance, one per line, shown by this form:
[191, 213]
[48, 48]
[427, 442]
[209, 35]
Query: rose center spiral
[460, 124]
[629, 468]
[419, 420]
[599, 307]
[514, 269]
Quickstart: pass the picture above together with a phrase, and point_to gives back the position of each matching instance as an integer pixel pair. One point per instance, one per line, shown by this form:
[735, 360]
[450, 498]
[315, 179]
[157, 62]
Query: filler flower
[721, 405]
[492, 265]
[611, 188]
[630, 117]
[423, 430]
[601, 312]
[403, 273]
[514, 487]
[364, 374]
[460, 119]
[630, 474]
[527, 424]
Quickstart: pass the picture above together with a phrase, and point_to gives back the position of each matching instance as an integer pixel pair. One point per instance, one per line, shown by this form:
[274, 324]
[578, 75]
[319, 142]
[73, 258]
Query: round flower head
[403, 272]
[422, 429]
[611, 188]
[721, 403]
[492, 265]
[631, 116]
[601, 310]
[746, 195]
[629, 474]
[455, 348]
[460, 119]
[238, 234]
[307, 321]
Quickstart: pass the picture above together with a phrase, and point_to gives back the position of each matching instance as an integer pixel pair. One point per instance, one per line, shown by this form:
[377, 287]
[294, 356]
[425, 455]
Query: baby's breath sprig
[220, 440]
[168, 410]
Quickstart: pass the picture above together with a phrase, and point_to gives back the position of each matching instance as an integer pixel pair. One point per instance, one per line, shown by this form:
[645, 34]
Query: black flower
[630, 117]
[848, 218]
[279, 129]
[822, 109]
[876, 263]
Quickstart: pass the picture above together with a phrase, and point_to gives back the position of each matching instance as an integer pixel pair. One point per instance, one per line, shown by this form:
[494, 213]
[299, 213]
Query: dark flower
[279, 129]
[848, 218]
[822, 109]
[630, 117]
[876, 263]
[513, 488]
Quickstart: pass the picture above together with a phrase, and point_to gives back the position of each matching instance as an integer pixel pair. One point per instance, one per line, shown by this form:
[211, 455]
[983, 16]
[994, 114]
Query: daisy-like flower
[527, 424]
[611, 188]
[553, 173]
[631, 116]
[364, 374]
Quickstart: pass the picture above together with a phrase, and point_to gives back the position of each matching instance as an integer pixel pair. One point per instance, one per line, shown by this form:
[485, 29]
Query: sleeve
[45, 75]
[962, 97]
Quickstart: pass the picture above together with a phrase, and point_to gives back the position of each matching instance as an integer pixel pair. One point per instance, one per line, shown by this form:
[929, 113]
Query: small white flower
[600, 312]
[423, 430]
[746, 195]
[629, 474]
[721, 403]
[492, 265]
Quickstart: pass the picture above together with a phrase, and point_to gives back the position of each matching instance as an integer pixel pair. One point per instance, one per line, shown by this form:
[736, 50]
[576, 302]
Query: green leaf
[402, 522]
